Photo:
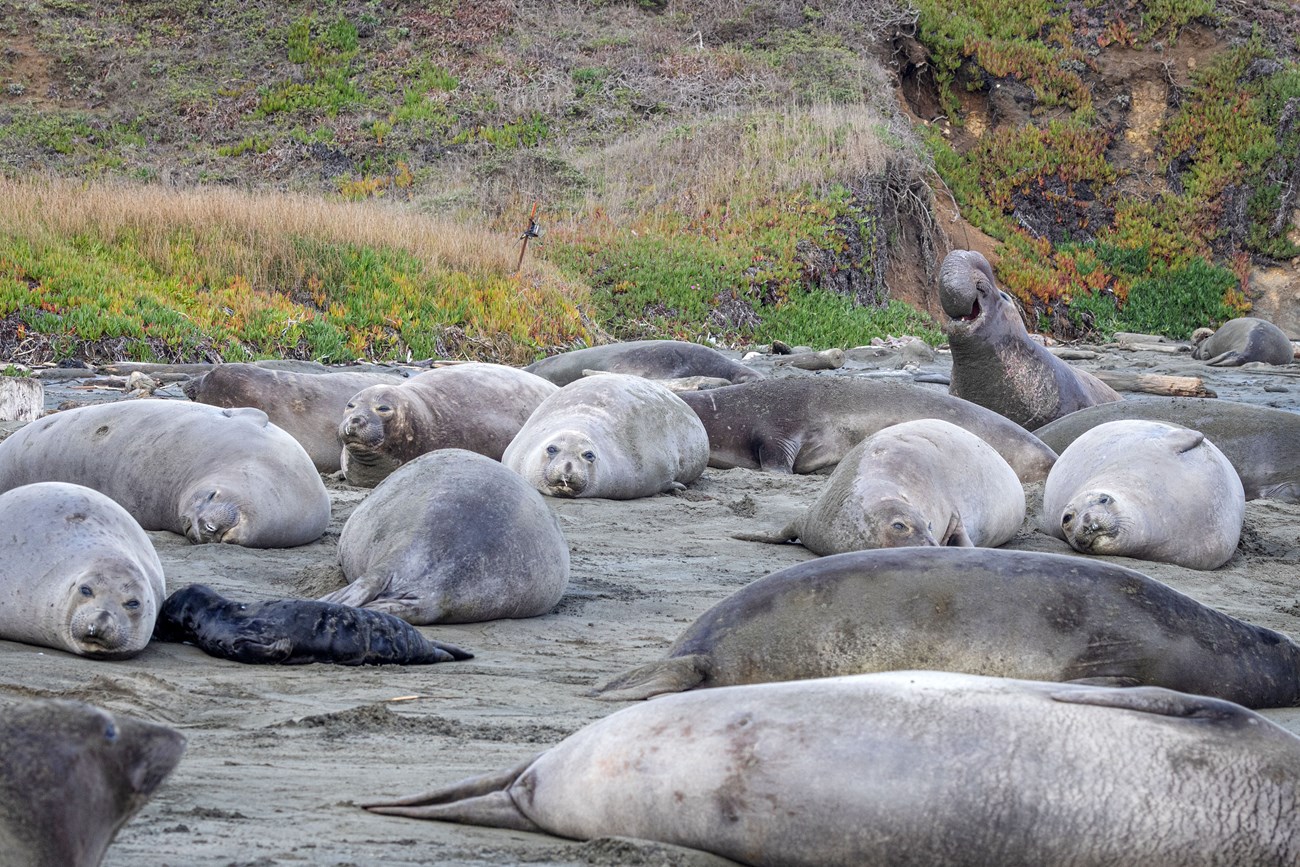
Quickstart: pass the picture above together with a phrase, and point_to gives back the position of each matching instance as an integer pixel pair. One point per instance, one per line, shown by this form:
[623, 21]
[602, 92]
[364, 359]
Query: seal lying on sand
[72, 776]
[1239, 341]
[994, 362]
[210, 474]
[652, 359]
[911, 768]
[76, 572]
[295, 631]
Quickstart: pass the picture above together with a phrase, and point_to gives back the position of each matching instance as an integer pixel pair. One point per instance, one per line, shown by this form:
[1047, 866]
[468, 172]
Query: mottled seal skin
[76, 572]
[1240, 341]
[652, 359]
[210, 474]
[307, 406]
[1149, 490]
[614, 436]
[802, 424]
[295, 632]
[453, 537]
[73, 775]
[979, 611]
[994, 361]
[924, 482]
[479, 407]
[912, 768]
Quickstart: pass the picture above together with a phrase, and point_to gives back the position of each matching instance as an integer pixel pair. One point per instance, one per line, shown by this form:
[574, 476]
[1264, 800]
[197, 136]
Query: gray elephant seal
[1240, 341]
[77, 574]
[923, 482]
[453, 537]
[916, 767]
[802, 424]
[613, 436]
[1149, 490]
[652, 359]
[979, 611]
[307, 406]
[210, 474]
[479, 407]
[73, 775]
[295, 632]
[994, 362]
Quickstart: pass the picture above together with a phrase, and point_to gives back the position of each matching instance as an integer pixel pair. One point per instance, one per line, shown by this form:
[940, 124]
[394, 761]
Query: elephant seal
[210, 474]
[918, 767]
[994, 362]
[453, 537]
[307, 406]
[76, 572]
[295, 631]
[651, 359]
[473, 406]
[802, 424]
[614, 436]
[923, 482]
[980, 611]
[1239, 341]
[1146, 489]
[72, 776]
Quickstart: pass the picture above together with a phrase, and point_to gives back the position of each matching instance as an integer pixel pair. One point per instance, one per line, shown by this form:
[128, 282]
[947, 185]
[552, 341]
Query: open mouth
[974, 312]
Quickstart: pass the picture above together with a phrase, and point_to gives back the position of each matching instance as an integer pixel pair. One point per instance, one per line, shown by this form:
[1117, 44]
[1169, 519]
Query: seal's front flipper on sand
[677, 674]
[789, 534]
[482, 800]
[359, 592]
[778, 455]
[1158, 700]
[956, 535]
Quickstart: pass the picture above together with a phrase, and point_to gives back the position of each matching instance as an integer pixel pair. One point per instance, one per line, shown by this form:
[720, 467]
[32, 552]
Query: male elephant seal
[479, 407]
[924, 482]
[652, 359]
[453, 537]
[1149, 490]
[613, 436]
[76, 572]
[801, 424]
[979, 611]
[994, 362]
[295, 631]
[210, 474]
[73, 775]
[307, 406]
[912, 768]
[1240, 341]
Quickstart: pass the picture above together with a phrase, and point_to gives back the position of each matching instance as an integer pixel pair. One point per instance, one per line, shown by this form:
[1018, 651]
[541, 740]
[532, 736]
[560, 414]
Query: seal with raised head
[1146, 489]
[801, 424]
[295, 631]
[210, 474]
[994, 361]
[652, 359]
[76, 572]
[614, 436]
[479, 407]
[980, 611]
[923, 482]
[453, 537]
[72, 776]
[1243, 340]
[919, 767]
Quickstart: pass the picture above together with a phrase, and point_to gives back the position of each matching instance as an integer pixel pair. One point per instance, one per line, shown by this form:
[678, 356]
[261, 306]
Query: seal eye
[899, 526]
[110, 733]
[350, 406]
[132, 605]
[552, 450]
[86, 591]
[589, 457]
[1067, 519]
[1103, 500]
[383, 407]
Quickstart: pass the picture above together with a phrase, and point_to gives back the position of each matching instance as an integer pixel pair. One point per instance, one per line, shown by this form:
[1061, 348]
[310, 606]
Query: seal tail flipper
[790, 533]
[481, 800]
[359, 592]
[1226, 359]
[676, 674]
[190, 387]
[437, 651]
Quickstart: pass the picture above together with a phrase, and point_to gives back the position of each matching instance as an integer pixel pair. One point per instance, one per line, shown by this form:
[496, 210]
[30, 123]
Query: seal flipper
[1156, 700]
[1116, 682]
[1183, 440]
[360, 591]
[778, 455]
[956, 536]
[1226, 359]
[483, 800]
[675, 674]
[790, 533]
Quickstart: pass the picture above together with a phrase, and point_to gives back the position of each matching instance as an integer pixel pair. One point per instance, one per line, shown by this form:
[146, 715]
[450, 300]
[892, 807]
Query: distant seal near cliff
[77, 572]
[923, 482]
[652, 359]
[295, 631]
[479, 407]
[210, 474]
[453, 537]
[613, 436]
[307, 406]
[994, 362]
[919, 767]
[1239, 341]
[72, 776]
[1146, 489]
[975, 610]
[802, 424]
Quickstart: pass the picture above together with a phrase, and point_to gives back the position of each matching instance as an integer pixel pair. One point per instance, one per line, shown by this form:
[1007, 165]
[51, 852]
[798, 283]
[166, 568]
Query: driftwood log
[22, 398]
[1153, 383]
